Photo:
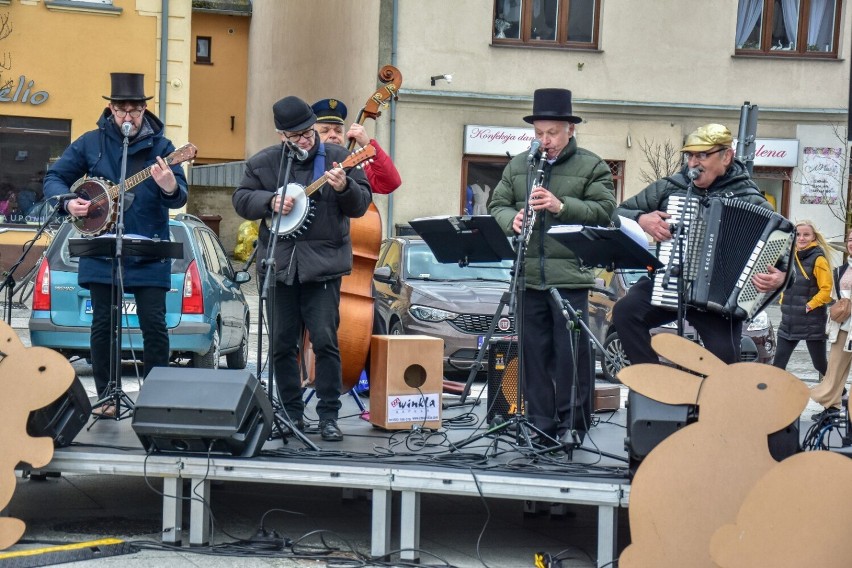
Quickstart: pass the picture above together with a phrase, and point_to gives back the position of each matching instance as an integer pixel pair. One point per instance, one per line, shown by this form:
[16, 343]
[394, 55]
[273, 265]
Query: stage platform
[410, 463]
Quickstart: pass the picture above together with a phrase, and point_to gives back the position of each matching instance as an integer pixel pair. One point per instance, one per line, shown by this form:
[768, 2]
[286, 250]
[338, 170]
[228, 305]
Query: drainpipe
[394, 33]
[164, 58]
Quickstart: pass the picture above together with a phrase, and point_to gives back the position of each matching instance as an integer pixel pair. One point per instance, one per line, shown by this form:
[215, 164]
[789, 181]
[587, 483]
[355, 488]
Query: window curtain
[748, 13]
[820, 28]
[790, 10]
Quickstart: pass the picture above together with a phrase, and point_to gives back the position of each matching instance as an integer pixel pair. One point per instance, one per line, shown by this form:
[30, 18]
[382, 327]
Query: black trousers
[816, 348]
[151, 311]
[316, 306]
[634, 317]
[549, 363]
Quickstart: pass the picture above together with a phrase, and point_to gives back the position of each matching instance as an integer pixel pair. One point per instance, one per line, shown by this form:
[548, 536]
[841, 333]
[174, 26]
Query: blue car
[206, 312]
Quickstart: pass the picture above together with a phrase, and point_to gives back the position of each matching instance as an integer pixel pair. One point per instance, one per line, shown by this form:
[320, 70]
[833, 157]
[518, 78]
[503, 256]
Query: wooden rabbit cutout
[30, 378]
[695, 480]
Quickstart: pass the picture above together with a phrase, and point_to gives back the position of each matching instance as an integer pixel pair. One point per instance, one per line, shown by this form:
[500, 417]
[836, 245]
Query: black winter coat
[796, 323]
[324, 250]
[97, 153]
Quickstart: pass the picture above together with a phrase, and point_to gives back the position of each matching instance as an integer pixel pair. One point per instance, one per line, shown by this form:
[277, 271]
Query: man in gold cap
[710, 164]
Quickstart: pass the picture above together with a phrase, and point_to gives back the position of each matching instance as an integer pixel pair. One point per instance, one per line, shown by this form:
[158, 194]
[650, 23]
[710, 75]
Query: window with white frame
[788, 27]
[547, 23]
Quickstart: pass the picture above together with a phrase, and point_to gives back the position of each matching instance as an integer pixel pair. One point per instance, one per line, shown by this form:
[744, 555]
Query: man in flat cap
[575, 188]
[709, 157]
[98, 153]
[310, 266]
[331, 118]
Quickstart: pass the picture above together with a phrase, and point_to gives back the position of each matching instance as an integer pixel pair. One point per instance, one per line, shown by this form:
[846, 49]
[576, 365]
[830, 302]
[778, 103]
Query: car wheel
[613, 348]
[239, 359]
[209, 360]
[396, 328]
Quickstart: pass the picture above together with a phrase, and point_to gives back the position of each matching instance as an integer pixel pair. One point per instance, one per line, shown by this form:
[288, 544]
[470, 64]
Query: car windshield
[421, 264]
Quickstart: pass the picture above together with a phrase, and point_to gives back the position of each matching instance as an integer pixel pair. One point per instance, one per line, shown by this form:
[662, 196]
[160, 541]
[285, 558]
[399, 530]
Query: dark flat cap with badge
[330, 111]
[293, 114]
[127, 87]
[552, 104]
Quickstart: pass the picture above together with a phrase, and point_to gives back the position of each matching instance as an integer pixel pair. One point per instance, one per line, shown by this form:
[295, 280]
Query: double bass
[356, 289]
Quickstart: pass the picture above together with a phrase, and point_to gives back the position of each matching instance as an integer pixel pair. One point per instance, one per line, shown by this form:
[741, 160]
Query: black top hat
[128, 87]
[330, 110]
[552, 104]
[293, 114]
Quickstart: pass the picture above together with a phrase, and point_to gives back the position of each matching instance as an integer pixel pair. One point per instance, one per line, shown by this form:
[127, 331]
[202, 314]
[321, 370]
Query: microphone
[561, 303]
[64, 196]
[536, 144]
[126, 127]
[693, 173]
[301, 154]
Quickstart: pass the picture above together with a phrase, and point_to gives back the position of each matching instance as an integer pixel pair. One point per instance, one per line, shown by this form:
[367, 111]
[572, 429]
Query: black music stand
[108, 247]
[604, 247]
[464, 240]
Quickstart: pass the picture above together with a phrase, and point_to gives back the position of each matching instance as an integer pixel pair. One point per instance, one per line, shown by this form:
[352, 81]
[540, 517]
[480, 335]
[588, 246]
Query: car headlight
[426, 313]
[760, 322]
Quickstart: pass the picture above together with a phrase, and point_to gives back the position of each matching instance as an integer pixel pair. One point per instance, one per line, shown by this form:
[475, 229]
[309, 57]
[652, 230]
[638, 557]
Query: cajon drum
[406, 381]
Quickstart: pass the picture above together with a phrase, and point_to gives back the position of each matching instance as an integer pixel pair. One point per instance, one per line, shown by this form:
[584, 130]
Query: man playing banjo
[309, 262]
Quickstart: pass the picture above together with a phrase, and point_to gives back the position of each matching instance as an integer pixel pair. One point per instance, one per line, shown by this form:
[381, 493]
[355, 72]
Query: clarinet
[539, 179]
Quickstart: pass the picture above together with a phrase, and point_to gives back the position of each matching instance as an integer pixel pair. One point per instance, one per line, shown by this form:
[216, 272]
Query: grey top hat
[293, 114]
[128, 87]
[552, 104]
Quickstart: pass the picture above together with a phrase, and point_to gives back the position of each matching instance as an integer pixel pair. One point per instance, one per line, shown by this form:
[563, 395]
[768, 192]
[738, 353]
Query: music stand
[467, 239]
[108, 246]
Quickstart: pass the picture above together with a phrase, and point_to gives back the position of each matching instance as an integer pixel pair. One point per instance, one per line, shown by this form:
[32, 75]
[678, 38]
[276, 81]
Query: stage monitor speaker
[649, 422]
[407, 381]
[502, 379]
[64, 418]
[202, 410]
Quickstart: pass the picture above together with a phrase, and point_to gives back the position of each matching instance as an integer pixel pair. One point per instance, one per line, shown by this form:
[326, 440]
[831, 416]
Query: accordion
[725, 242]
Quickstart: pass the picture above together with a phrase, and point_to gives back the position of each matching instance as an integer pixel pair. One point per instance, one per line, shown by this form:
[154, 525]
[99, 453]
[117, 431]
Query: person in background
[576, 188]
[309, 267]
[829, 393]
[98, 153]
[331, 116]
[803, 305]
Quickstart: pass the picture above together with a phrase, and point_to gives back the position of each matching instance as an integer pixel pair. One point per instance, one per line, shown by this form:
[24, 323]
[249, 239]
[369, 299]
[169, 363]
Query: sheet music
[628, 226]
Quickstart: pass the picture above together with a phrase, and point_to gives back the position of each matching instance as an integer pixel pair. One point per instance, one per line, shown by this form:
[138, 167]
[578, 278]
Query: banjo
[103, 194]
[296, 222]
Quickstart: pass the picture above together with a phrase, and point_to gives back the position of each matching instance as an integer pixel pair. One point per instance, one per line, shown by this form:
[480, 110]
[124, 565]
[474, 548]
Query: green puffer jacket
[734, 183]
[583, 182]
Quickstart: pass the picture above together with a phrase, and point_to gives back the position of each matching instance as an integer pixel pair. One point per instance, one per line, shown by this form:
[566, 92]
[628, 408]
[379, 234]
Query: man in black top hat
[98, 153]
[309, 267]
[574, 187]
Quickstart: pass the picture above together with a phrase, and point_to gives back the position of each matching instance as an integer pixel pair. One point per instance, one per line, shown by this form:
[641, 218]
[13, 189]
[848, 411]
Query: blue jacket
[97, 153]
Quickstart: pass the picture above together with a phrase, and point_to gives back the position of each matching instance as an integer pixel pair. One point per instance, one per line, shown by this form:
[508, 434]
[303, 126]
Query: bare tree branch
[663, 160]
[839, 173]
[6, 62]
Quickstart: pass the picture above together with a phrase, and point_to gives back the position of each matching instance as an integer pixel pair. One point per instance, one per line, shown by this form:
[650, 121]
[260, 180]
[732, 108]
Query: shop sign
[775, 152]
[496, 140]
[22, 93]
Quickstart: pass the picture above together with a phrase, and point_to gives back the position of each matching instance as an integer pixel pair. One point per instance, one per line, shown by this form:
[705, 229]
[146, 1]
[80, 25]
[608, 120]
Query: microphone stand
[114, 393]
[522, 425]
[9, 280]
[267, 298]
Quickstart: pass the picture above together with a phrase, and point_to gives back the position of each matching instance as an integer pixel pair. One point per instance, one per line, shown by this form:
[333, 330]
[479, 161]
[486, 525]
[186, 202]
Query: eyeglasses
[296, 136]
[701, 156]
[121, 113]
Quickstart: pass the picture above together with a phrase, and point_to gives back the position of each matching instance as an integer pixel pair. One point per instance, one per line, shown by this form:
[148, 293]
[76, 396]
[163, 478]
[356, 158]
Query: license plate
[129, 307]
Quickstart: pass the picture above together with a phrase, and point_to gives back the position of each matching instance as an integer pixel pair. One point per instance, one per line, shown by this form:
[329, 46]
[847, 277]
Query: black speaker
[202, 410]
[649, 422]
[502, 379]
[64, 418]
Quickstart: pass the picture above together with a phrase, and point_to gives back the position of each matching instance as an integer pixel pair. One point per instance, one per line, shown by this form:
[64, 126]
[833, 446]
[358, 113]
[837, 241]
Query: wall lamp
[448, 78]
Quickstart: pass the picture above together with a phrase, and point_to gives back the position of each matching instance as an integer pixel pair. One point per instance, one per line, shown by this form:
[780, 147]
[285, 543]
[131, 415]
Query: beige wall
[218, 90]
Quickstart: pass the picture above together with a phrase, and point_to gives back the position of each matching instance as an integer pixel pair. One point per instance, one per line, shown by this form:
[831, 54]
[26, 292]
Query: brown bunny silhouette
[695, 480]
[30, 378]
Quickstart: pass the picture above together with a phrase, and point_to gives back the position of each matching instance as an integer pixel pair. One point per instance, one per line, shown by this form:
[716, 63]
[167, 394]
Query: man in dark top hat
[309, 267]
[575, 187]
[331, 116]
[98, 153]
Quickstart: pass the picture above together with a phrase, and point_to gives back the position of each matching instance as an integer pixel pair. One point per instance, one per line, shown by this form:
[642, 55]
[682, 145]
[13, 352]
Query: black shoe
[329, 430]
[298, 424]
[820, 416]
